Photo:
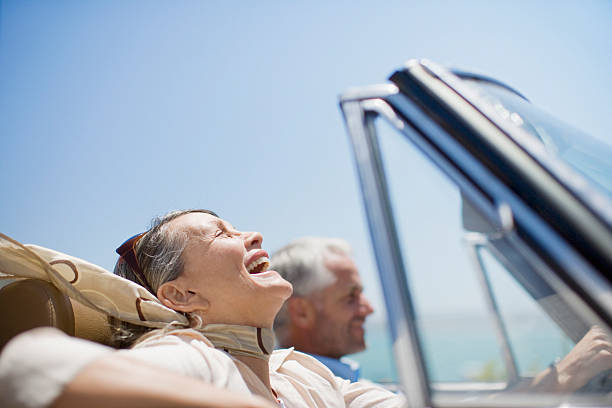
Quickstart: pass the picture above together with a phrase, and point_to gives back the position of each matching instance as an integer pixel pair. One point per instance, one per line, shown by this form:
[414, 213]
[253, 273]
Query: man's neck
[303, 341]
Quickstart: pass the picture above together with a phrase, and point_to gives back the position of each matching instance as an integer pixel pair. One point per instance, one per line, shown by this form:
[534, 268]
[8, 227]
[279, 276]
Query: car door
[491, 225]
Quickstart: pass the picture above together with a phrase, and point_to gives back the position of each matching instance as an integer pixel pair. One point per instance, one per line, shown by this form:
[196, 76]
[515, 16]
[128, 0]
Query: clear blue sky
[112, 112]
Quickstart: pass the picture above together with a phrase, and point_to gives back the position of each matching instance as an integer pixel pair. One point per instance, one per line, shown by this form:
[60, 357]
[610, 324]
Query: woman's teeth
[259, 265]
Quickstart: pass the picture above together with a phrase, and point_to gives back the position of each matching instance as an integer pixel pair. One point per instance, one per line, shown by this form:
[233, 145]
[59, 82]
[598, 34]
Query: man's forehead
[344, 269]
[334, 260]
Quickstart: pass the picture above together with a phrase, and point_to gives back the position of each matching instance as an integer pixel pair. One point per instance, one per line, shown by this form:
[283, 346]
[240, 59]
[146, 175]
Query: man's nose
[365, 308]
[252, 240]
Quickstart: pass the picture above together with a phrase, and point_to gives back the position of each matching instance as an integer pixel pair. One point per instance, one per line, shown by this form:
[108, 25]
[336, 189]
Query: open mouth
[259, 265]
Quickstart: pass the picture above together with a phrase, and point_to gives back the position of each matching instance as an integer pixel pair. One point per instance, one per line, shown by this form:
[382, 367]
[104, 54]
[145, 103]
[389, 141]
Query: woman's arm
[44, 367]
[119, 381]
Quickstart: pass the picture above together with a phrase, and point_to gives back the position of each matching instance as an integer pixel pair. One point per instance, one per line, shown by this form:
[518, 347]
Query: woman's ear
[302, 312]
[174, 296]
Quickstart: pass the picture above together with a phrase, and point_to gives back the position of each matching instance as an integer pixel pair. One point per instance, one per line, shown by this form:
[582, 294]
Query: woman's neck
[250, 346]
[261, 369]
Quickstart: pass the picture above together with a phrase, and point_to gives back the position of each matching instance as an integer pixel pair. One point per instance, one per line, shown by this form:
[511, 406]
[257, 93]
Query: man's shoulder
[348, 370]
[282, 357]
[343, 367]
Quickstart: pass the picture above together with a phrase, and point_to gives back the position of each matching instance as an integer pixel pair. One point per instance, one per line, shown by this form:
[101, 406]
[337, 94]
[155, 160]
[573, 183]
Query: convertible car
[491, 223]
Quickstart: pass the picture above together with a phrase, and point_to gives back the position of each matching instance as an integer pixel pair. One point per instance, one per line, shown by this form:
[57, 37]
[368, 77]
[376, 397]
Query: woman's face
[225, 276]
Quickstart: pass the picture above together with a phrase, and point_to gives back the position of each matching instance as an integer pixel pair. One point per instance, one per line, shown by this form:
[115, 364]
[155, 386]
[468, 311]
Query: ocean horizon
[462, 348]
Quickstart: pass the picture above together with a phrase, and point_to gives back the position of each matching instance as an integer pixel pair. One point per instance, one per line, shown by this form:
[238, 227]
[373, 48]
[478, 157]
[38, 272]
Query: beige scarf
[240, 340]
[120, 298]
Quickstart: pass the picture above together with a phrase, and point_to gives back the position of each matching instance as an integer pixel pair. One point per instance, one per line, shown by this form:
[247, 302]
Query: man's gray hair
[302, 262]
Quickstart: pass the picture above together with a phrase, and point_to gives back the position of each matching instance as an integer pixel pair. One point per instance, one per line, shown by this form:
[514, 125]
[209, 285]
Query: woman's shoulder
[187, 352]
[173, 337]
[180, 347]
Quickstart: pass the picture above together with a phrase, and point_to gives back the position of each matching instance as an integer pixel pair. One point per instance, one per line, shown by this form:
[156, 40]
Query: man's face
[341, 309]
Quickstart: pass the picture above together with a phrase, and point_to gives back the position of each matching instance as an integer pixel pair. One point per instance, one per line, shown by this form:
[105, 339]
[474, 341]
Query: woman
[199, 265]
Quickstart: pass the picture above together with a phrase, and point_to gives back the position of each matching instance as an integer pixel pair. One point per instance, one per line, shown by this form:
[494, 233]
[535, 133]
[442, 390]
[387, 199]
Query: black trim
[260, 341]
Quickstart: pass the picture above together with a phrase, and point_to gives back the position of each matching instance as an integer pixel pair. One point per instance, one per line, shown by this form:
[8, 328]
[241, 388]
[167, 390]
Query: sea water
[462, 350]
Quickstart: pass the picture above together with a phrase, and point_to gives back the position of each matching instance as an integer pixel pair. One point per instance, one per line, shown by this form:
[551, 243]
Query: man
[325, 315]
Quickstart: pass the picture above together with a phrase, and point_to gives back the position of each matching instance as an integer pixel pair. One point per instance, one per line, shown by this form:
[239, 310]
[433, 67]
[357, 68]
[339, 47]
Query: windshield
[585, 154]
[490, 317]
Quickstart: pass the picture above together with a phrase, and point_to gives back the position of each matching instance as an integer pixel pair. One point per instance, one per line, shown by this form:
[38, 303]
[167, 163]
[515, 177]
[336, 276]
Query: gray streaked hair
[302, 262]
[159, 254]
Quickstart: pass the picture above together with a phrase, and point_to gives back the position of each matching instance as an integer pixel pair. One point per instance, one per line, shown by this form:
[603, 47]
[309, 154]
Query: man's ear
[302, 312]
[173, 295]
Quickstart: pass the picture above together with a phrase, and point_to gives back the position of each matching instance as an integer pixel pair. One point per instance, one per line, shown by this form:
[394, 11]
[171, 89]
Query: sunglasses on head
[128, 254]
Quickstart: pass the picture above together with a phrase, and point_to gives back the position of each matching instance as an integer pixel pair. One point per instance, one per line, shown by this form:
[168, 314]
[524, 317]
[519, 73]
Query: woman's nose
[252, 240]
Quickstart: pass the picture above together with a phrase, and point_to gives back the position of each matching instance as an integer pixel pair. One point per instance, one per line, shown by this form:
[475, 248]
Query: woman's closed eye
[220, 233]
[224, 232]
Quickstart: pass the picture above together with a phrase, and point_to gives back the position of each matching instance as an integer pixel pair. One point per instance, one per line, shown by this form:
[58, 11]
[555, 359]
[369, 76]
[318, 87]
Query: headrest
[94, 292]
[29, 303]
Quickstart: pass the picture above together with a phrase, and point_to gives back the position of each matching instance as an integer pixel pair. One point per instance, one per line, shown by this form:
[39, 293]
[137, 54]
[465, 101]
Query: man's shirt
[343, 367]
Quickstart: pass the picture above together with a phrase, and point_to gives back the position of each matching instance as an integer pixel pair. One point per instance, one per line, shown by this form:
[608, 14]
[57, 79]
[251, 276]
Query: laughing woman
[201, 266]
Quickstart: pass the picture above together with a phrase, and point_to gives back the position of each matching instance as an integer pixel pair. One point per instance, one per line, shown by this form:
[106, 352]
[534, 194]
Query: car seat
[29, 303]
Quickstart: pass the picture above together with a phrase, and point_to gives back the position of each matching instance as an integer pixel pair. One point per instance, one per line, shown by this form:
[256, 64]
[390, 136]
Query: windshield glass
[587, 155]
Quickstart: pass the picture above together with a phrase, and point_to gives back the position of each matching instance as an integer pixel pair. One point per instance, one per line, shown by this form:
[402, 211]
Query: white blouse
[31, 375]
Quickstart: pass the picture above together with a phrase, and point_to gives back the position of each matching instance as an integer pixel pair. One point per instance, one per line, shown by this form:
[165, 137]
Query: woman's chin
[272, 280]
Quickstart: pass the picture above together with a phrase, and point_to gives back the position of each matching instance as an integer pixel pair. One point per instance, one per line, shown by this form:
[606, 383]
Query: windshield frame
[581, 187]
[565, 146]
[517, 158]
